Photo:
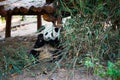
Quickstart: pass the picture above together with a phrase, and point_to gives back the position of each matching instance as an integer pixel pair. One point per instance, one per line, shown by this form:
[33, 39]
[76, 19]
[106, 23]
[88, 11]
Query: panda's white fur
[50, 32]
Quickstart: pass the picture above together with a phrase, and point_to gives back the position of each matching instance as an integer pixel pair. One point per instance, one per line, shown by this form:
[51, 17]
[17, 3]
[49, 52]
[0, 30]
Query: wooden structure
[8, 8]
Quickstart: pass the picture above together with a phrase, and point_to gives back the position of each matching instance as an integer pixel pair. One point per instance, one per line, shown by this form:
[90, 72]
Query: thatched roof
[11, 4]
[25, 6]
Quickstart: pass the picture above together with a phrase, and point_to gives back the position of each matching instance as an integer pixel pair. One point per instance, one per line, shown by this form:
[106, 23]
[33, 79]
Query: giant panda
[47, 42]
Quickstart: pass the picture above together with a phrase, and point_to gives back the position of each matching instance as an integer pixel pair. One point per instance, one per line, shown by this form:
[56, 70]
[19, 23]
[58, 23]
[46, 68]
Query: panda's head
[51, 33]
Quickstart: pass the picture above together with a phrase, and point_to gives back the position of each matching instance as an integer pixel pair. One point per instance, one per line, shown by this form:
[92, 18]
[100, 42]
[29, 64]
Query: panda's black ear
[56, 29]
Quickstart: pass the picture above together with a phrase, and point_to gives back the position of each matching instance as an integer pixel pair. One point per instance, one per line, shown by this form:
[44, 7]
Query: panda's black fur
[40, 42]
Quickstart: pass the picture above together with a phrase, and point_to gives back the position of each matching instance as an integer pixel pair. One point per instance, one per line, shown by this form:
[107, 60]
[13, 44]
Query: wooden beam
[39, 21]
[8, 26]
[23, 10]
[59, 20]
[2, 11]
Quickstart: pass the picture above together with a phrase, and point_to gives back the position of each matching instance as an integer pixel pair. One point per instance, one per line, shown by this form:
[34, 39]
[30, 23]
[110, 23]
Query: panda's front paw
[40, 41]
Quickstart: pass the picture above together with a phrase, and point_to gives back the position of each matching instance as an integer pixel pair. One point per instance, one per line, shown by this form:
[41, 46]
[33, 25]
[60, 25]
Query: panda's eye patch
[52, 34]
[56, 29]
[46, 33]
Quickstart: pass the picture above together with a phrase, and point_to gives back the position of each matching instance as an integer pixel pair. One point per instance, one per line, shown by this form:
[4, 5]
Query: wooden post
[39, 22]
[8, 26]
[59, 20]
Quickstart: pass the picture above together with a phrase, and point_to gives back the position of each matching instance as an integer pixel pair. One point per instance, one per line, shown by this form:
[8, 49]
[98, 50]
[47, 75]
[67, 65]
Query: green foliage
[85, 39]
[112, 71]
[15, 60]
[100, 10]
[88, 62]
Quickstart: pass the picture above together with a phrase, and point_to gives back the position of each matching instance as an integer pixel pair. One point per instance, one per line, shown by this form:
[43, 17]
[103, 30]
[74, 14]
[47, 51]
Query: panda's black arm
[40, 41]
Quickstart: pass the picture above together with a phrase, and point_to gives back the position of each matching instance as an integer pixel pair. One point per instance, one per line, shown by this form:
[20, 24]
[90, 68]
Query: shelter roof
[11, 4]
[25, 7]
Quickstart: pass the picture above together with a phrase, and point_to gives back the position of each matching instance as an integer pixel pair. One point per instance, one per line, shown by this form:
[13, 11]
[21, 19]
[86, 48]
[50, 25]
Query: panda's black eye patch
[46, 33]
[52, 34]
[56, 29]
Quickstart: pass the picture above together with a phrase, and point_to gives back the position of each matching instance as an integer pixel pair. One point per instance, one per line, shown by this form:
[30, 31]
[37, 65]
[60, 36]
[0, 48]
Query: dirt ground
[60, 74]
[26, 36]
